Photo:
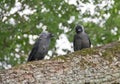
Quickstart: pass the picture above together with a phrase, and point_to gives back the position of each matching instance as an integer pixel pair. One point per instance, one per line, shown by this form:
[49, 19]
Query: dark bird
[81, 39]
[40, 48]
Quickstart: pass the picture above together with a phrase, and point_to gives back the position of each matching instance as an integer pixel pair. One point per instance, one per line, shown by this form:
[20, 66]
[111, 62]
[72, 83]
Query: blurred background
[21, 22]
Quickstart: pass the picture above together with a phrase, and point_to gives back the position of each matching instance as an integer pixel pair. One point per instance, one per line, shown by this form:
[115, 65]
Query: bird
[40, 48]
[81, 39]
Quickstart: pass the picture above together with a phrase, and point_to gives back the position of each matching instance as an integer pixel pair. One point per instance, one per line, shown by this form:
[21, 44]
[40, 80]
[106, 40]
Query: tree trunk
[94, 65]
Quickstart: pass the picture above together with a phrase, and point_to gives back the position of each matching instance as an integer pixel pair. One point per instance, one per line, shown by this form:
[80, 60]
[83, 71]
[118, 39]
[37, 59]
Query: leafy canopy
[23, 20]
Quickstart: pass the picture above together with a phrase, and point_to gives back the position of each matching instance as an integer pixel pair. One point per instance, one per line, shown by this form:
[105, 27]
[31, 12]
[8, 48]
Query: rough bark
[94, 65]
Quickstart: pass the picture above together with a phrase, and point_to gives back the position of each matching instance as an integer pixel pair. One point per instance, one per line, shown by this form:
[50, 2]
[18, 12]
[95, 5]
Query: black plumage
[81, 39]
[40, 47]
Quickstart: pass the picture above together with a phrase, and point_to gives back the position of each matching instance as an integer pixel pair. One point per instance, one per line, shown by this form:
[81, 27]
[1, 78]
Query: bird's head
[79, 29]
[46, 34]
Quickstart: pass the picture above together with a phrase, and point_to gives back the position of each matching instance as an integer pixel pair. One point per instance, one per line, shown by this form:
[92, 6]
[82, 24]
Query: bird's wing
[89, 41]
[76, 43]
[34, 50]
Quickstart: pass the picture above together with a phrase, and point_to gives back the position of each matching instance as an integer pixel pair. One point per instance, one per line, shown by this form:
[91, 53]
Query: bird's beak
[51, 35]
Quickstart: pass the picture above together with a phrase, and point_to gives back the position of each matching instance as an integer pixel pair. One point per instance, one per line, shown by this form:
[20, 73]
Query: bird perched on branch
[81, 39]
[40, 47]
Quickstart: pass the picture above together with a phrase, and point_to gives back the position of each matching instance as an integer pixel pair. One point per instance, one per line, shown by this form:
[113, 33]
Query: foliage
[17, 25]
